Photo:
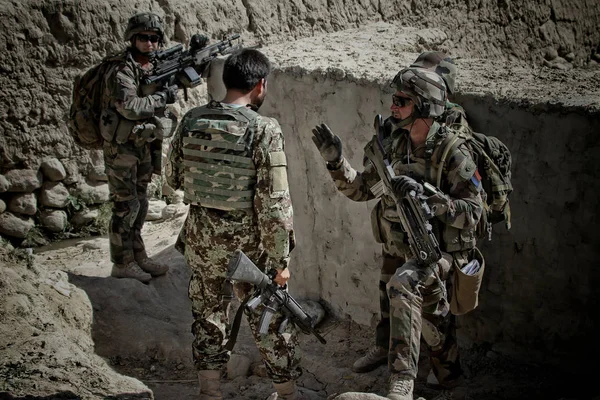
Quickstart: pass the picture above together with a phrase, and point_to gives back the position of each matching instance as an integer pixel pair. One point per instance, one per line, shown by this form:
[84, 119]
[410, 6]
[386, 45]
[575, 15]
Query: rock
[431, 37]
[53, 220]
[155, 210]
[596, 57]
[570, 57]
[177, 197]
[54, 194]
[90, 193]
[314, 309]
[73, 174]
[4, 184]
[84, 217]
[550, 54]
[14, 226]
[259, 370]
[170, 211]
[53, 169]
[24, 180]
[2, 206]
[238, 365]
[23, 203]
[98, 173]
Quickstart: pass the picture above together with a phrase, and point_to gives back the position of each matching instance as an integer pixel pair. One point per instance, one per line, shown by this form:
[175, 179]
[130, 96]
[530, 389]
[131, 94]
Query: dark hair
[244, 69]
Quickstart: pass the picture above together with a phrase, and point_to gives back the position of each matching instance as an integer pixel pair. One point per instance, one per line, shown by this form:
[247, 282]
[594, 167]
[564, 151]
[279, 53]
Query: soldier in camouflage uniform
[133, 122]
[417, 295]
[230, 162]
[445, 363]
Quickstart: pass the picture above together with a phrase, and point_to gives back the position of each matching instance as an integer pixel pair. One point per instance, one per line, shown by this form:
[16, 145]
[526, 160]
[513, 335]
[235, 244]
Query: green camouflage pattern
[271, 202]
[409, 292]
[211, 237]
[264, 232]
[129, 163]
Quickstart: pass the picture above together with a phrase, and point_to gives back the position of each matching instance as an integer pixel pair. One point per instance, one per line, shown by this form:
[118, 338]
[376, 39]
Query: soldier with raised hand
[133, 122]
[416, 295]
[230, 162]
[445, 364]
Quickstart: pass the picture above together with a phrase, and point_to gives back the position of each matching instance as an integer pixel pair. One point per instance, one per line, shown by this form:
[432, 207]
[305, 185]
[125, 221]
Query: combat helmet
[425, 88]
[143, 22]
[441, 64]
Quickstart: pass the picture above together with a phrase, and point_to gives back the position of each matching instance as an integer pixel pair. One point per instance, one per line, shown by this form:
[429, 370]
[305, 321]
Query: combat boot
[210, 385]
[374, 358]
[285, 391]
[152, 267]
[401, 388]
[131, 270]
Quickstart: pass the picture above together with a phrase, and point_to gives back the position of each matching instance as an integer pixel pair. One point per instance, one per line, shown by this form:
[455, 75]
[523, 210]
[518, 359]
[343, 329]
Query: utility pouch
[124, 130]
[466, 286]
[109, 121]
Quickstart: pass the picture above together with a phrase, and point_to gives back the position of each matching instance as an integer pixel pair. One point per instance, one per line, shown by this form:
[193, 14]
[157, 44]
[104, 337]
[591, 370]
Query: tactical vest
[217, 156]
[427, 169]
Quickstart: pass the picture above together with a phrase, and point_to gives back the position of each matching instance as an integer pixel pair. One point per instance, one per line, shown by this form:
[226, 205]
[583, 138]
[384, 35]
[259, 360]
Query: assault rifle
[413, 210]
[268, 293]
[184, 67]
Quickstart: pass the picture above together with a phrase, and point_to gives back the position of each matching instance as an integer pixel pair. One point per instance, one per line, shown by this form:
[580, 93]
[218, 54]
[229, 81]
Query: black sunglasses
[142, 37]
[400, 101]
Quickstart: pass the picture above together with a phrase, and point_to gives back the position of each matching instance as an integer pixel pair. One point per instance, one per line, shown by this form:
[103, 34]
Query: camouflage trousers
[412, 296]
[129, 171]
[211, 236]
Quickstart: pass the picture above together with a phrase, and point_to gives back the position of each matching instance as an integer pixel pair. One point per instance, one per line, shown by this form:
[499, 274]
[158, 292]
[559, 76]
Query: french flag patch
[476, 179]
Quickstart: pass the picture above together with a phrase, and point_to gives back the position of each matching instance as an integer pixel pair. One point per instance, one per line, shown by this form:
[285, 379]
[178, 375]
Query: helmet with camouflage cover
[144, 22]
[425, 88]
[439, 63]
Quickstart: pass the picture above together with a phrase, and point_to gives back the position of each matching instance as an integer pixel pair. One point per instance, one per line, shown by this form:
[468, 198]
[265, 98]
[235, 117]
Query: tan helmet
[441, 64]
[143, 22]
[425, 87]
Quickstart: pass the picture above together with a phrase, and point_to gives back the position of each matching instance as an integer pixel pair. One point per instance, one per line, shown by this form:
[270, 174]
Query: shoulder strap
[452, 143]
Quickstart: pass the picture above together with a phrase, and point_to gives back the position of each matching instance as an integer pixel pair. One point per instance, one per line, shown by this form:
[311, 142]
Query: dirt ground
[70, 312]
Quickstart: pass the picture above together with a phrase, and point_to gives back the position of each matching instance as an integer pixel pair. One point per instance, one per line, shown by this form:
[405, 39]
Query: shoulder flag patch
[476, 179]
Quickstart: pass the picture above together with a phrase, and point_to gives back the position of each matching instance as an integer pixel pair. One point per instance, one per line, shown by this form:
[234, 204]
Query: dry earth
[70, 331]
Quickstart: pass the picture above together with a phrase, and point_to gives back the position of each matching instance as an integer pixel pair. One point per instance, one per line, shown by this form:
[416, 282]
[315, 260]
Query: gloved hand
[329, 145]
[403, 184]
[169, 93]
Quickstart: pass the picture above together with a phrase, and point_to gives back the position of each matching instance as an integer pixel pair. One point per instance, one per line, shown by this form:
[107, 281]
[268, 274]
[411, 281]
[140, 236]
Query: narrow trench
[530, 333]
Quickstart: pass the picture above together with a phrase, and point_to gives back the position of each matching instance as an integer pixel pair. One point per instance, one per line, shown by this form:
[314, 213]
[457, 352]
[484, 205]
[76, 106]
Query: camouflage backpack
[84, 115]
[494, 162]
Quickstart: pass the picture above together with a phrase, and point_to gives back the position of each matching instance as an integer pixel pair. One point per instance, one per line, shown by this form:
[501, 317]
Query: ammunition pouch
[465, 291]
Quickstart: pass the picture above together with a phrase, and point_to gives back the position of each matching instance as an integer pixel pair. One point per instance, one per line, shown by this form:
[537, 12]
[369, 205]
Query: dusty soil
[70, 331]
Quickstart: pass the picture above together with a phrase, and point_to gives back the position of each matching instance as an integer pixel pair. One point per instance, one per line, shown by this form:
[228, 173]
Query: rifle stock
[272, 296]
[412, 209]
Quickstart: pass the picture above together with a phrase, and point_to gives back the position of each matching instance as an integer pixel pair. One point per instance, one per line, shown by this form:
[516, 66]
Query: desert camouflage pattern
[412, 292]
[423, 85]
[129, 164]
[441, 64]
[143, 22]
[264, 232]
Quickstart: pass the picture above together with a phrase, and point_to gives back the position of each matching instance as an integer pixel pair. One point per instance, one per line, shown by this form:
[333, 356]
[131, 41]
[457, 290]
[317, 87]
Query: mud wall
[538, 297]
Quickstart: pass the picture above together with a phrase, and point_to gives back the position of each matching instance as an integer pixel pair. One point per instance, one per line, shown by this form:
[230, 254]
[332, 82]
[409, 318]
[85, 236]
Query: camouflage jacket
[458, 211]
[272, 203]
[124, 92]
